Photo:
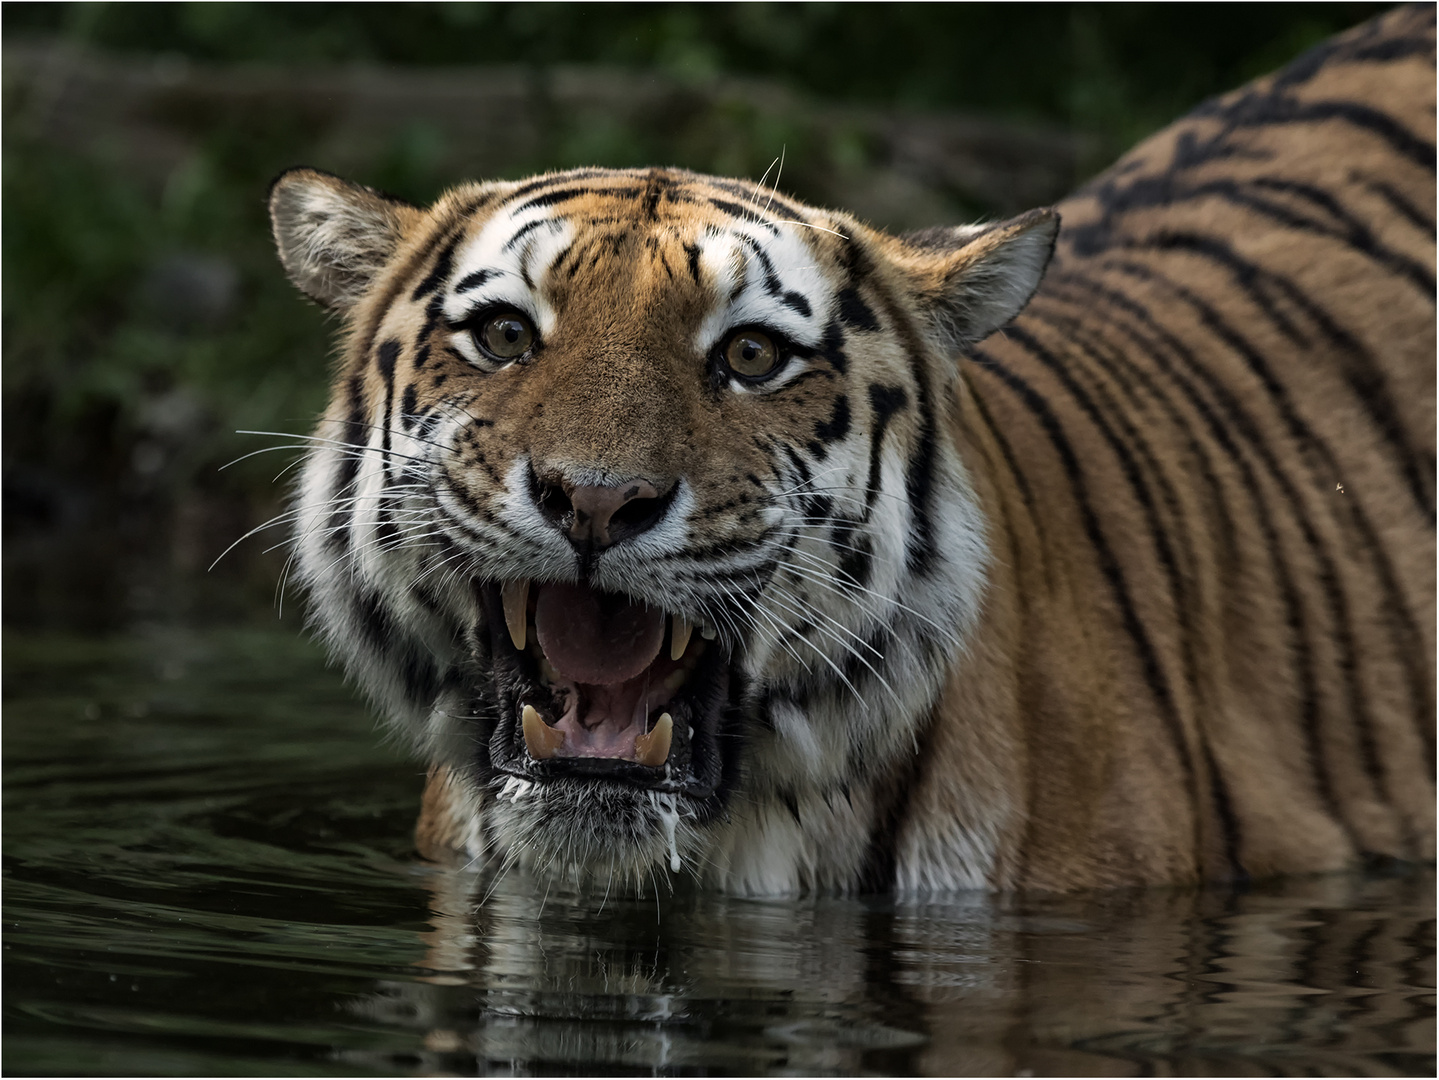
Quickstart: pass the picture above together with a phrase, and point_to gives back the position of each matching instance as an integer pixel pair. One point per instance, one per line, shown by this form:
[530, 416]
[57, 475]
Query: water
[208, 870]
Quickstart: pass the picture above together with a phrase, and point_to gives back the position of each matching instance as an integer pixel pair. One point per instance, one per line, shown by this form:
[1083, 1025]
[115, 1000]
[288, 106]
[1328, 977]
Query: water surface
[208, 870]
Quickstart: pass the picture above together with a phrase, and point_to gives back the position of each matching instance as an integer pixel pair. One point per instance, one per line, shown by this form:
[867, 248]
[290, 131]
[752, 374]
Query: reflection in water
[1326, 976]
[208, 869]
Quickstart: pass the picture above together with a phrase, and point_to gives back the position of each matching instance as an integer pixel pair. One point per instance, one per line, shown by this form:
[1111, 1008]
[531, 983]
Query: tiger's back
[1209, 443]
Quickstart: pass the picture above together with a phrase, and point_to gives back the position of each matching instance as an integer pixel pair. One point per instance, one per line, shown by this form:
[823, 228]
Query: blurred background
[146, 319]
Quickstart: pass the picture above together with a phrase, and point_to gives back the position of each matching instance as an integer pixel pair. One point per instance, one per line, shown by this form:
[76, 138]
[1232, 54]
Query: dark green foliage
[1089, 64]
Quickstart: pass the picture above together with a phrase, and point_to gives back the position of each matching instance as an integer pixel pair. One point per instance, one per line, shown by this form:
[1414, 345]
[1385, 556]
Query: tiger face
[638, 506]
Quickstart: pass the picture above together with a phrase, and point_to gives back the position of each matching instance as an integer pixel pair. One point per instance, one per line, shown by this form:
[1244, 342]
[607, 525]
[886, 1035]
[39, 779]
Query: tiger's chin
[591, 832]
[611, 743]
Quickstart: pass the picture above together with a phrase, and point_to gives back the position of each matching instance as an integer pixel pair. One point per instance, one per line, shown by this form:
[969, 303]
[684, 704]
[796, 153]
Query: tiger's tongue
[594, 637]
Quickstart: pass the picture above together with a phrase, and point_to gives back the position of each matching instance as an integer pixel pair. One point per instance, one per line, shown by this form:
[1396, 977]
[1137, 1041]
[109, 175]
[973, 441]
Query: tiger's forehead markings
[761, 271]
[504, 261]
[766, 275]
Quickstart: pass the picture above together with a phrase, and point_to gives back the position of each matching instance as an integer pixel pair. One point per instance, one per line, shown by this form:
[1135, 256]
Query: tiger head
[640, 503]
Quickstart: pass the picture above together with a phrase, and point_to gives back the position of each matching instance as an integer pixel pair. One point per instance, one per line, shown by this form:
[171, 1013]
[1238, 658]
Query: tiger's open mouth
[599, 685]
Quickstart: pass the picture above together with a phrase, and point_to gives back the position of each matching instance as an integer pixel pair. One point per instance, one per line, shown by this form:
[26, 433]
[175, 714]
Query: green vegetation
[1125, 68]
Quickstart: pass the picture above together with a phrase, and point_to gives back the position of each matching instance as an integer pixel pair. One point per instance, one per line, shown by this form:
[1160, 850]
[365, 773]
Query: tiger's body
[1138, 590]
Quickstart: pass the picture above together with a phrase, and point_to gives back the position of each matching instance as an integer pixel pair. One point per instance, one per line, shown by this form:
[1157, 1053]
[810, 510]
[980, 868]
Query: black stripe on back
[1363, 376]
[1149, 663]
[1399, 204]
[1261, 110]
[1328, 574]
[1125, 451]
[1295, 619]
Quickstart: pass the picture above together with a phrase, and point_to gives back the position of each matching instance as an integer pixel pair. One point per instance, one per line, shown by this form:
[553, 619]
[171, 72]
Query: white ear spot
[974, 279]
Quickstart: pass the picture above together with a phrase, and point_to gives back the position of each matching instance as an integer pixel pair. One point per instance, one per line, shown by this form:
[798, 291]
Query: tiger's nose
[595, 517]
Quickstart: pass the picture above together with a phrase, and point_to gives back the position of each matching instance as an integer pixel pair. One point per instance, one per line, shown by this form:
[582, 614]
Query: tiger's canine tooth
[680, 632]
[515, 596]
[541, 740]
[653, 748]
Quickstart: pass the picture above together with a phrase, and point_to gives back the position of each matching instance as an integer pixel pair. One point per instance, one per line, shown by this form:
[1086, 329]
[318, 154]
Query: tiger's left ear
[971, 280]
[334, 237]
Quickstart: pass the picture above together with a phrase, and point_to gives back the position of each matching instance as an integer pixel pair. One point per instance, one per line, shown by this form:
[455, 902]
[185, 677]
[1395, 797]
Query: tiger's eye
[751, 353]
[507, 336]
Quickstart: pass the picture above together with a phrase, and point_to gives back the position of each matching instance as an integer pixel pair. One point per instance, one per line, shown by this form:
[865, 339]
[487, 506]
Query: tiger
[692, 533]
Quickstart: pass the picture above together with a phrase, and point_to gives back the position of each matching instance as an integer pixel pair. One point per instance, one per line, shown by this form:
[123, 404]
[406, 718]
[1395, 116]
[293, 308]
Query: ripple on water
[208, 870]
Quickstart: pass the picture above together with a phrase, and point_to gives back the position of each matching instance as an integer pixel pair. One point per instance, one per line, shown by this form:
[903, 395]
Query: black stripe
[884, 402]
[355, 435]
[837, 426]
[575, 253]
[453, 224]
[747, 213]
[408, 404]
[831, 348]
[434, 312]
[772, 283]
[562, 178]
[1362, 48]
[1229, 828]
[919, 547]
[1400, 205]
[385, 357]
[1353, 232]
[1262, 110]
[473, 281]
[1026, 493]
[1162, 191]
[1153, 671]
[1328, 575]
[853, 311]
[796, 301]
[772, 199]
[854, 552]
[1125, 453]
[892, 796]
[1017, 556]
[656, 184]
[392, 648]
[524, 231]
[1366, 381]
[437, 276]
[563, 195]
[1127, 374]
[1304, 671]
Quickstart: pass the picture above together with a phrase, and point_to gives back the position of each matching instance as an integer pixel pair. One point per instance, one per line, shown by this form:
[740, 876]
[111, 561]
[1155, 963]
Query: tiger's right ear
[333, 236]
